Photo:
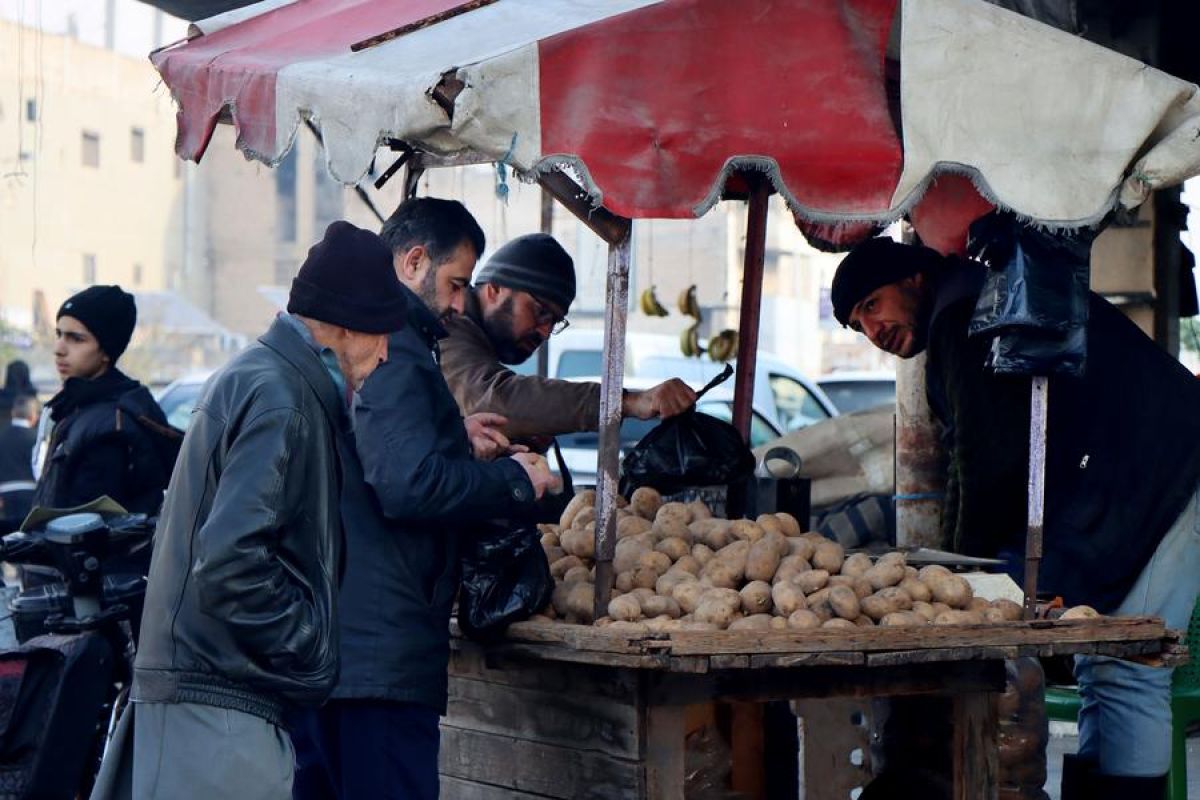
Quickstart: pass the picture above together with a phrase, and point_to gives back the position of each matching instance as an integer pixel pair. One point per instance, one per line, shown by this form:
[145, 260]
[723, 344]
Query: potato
[645, 577]
[762, 560]
[625, 607]
[993, 615]
[844, 602]
[688, 595]
[563, 565]
[829, 556]
[582, 500]
[673, 548]
[979, 604]
[790, 567]
[642, 593]
[629, 628]
[579, 601]
[778, 623]
[803, 619]
[916, 590]
[577, 574]
[698, 626]
[736, 554]
[864, 622]
[952, 590]
[1009, 610]
[699, 510]
[688, 563]
[799, 546]
[757, 622]
[627, 553]
[721, 573]
[818, 596]
[839, 623]
[715, 612]
[579, 543]
[553, 554]
[632, 526]
[673, 510]
[814, 537]
[667, 582]
[926, 573]
[1080, 612]
[770, 524]
[898, 597]
[756, 597]
[713, 532]
[861, 586]
[645, 502]
[923, 608]
[892, 558]
[903, 619]
[623, 582]
[856, 564]
[585, 515]
[883, 575]
[959, 618]
[672, 528]
[822, 607]
[911, 572]
[789, 524]
[660, 624]
[549, 539]
[786, 598]
[940, 608]
[558, 599]
[877, 607]
[702, 553]
[812, 580]
[657, 606]
[746, 530]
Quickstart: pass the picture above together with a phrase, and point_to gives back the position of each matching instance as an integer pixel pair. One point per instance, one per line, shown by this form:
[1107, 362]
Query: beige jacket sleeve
[534, 406]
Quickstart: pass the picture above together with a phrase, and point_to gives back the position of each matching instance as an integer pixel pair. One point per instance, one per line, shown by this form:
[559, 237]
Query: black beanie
[534, 263]
[108, 312]
[348, 280]
[874, 263]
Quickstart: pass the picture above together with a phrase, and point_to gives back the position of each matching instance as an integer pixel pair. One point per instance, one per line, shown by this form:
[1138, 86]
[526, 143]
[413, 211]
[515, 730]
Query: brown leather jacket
[535, 407]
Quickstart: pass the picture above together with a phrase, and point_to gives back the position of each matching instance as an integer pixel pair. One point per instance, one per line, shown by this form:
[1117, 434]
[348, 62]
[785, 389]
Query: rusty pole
[752, 279]
[1038, 407]
[920, 462]
[609, 455]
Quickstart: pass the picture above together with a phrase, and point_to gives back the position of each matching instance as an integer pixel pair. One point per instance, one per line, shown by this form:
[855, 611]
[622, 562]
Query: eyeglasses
[542, 315]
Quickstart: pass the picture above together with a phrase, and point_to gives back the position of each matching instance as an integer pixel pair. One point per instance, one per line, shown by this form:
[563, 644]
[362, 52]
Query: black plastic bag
[1034, 302]
[506, 579]
[692, 449]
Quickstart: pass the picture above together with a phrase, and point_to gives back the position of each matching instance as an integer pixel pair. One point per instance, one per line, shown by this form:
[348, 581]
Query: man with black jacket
[1122, 529]
[239, 623]
[378, 737]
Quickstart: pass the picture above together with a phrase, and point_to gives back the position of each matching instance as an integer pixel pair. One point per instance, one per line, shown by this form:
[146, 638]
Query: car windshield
[850, 396]
[178, 401]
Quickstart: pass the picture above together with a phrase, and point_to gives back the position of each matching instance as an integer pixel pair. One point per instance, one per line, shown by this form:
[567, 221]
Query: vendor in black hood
[102, 434]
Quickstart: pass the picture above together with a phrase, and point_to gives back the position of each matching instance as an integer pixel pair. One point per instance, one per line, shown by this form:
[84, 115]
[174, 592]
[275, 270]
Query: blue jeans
[1125, 710]
[366, 750]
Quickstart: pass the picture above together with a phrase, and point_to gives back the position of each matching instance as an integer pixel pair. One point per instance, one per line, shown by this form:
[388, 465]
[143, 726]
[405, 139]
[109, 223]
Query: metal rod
[1038, 403]
[547, 227]
[752, 279]
[611, 382]
[605, 224]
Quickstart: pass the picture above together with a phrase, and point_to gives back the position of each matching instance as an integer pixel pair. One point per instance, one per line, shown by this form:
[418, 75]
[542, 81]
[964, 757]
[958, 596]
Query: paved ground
[1063, 740]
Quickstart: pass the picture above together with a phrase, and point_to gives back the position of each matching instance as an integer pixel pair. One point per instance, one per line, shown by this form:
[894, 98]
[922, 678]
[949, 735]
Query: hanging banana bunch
[689, 341]
[688, 305]
[723, 346]
[649, 304]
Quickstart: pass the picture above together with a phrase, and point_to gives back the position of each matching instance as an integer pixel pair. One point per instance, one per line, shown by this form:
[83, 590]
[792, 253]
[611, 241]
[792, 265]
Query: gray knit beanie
[536, 264]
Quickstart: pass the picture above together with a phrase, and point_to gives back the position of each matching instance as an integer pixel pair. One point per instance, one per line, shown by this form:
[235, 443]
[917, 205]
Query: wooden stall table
[573, 711]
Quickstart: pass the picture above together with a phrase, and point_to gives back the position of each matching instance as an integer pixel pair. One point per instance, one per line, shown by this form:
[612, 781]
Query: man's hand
[665, 400]
[487, 442]
[538, 471]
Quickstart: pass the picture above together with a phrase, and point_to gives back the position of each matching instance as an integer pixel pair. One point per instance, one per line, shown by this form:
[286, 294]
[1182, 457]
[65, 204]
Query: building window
[31, 110]
[137, 274]
[91, 149]
[89, 269]
[137, 145]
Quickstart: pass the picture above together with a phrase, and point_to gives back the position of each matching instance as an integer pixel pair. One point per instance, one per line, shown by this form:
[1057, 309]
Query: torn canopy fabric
[654, 103]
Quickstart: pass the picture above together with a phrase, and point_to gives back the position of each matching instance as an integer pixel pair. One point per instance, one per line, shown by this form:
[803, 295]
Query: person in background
[17, 382]
[102, 434]
[16, 458]
[520, 298]
[421, 491]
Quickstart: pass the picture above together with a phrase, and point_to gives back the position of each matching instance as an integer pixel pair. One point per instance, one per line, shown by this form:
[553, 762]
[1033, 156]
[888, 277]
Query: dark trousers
[359, 749]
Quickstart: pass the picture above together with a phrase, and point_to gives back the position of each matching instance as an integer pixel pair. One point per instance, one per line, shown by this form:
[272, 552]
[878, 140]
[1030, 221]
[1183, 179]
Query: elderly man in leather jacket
[240, 608]
[378, 738]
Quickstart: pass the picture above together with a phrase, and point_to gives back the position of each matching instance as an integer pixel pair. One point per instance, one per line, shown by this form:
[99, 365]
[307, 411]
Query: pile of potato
[679, 568]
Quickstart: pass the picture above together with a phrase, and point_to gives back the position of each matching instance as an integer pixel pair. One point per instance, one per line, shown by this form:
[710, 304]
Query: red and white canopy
[653, 103]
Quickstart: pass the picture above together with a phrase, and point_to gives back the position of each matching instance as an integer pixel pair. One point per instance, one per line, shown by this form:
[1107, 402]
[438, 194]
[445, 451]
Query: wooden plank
[535, 767]
[897, 657]
[581, 637]
[665, 748]
[569, 654]
[768, 660]
[587, 722]
[501, 668]
[975, 754]
[729, 661]
[747, 744]
[458, 789]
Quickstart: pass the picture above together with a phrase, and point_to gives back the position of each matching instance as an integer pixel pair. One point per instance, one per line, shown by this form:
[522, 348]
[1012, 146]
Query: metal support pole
[920, 461]
[543, 352]
[752, 279]
[610, 416]
[1038, 402]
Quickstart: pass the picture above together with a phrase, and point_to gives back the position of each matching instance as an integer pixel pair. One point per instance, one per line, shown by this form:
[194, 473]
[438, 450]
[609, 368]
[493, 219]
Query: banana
[688, 304]
[649, 304]
[689, 341]
[723, 346]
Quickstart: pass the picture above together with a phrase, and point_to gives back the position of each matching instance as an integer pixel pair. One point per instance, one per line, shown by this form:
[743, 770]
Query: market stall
[660, 108]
